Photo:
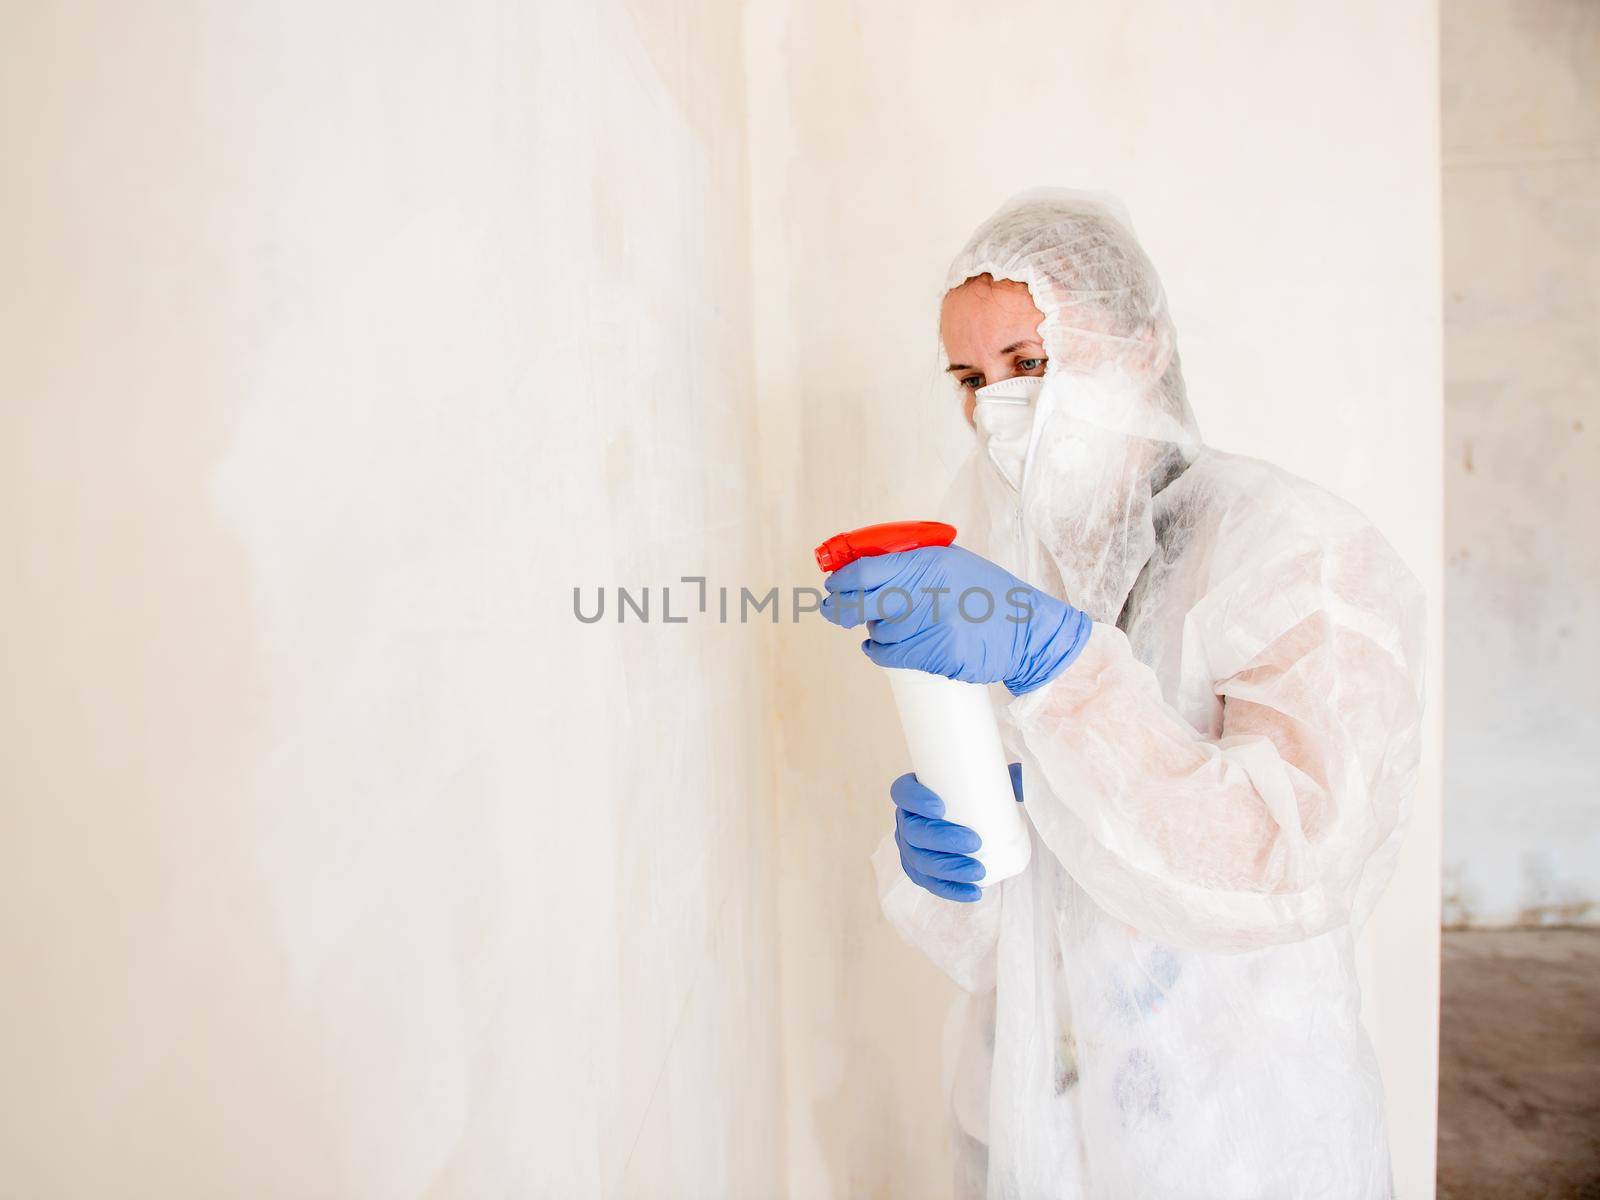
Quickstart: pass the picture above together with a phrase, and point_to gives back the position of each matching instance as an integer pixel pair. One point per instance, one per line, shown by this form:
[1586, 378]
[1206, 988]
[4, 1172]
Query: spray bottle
[949, 725]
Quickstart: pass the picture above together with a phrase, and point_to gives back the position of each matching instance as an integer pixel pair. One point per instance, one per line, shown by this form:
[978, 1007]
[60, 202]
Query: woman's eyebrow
[1007, 350]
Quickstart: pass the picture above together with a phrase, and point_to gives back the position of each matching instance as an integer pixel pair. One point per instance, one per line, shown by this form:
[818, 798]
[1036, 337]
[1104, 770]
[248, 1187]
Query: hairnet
[1112, 425]
[1103, 304]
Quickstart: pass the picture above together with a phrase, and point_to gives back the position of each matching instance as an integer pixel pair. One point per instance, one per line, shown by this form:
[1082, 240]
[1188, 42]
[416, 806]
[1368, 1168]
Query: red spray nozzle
[844, 548]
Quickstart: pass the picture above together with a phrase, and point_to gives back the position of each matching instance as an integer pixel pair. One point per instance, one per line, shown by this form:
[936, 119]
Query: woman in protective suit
[1215, 700]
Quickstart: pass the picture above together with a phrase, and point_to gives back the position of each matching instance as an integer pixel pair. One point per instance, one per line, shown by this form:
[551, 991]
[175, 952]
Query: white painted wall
[1522, 487]
[1281, 164]
[340, 342]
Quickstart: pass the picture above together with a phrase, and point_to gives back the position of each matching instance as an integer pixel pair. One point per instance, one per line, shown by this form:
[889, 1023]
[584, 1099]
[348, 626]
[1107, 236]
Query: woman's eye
[1030, 364]
[972, 382]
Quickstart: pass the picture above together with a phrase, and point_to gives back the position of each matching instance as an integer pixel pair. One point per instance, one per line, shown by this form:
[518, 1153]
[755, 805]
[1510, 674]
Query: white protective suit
[1165, 1003]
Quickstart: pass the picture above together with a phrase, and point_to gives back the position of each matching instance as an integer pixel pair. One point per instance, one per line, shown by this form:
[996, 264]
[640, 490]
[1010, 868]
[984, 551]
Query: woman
[1216, 704]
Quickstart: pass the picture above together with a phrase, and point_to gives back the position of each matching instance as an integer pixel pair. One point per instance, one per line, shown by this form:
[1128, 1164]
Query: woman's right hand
[936, 854]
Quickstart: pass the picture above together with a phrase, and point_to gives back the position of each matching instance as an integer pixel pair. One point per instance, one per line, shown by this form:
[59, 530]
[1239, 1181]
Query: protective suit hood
[1112, 424]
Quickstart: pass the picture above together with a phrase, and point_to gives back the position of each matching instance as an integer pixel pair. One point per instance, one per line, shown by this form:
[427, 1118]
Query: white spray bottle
[949, 725]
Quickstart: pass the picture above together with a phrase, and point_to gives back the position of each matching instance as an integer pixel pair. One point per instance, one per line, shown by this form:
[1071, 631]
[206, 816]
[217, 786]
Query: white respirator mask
[1004, 418]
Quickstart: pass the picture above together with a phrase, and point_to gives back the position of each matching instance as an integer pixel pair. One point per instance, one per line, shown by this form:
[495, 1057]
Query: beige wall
[340, 343]
[1281, 164]
[1522, 328]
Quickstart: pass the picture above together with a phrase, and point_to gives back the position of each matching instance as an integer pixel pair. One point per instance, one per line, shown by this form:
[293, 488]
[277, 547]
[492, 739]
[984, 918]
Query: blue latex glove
[948, 611]
[934, 853]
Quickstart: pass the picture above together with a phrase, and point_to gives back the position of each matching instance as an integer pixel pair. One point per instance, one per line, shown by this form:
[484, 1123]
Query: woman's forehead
[985, 310]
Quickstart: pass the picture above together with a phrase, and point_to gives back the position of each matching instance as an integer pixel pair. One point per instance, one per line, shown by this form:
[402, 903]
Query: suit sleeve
[1285, 822]
[959, 939]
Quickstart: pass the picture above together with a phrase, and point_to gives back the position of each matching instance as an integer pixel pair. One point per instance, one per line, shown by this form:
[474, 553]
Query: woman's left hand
[950, 612]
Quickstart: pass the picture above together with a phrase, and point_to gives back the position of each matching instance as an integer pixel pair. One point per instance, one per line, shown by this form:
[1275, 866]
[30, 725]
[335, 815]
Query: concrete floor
[1519, 1065]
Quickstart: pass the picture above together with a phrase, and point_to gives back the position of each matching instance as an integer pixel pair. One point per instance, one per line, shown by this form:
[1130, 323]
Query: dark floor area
[1519, 1065]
